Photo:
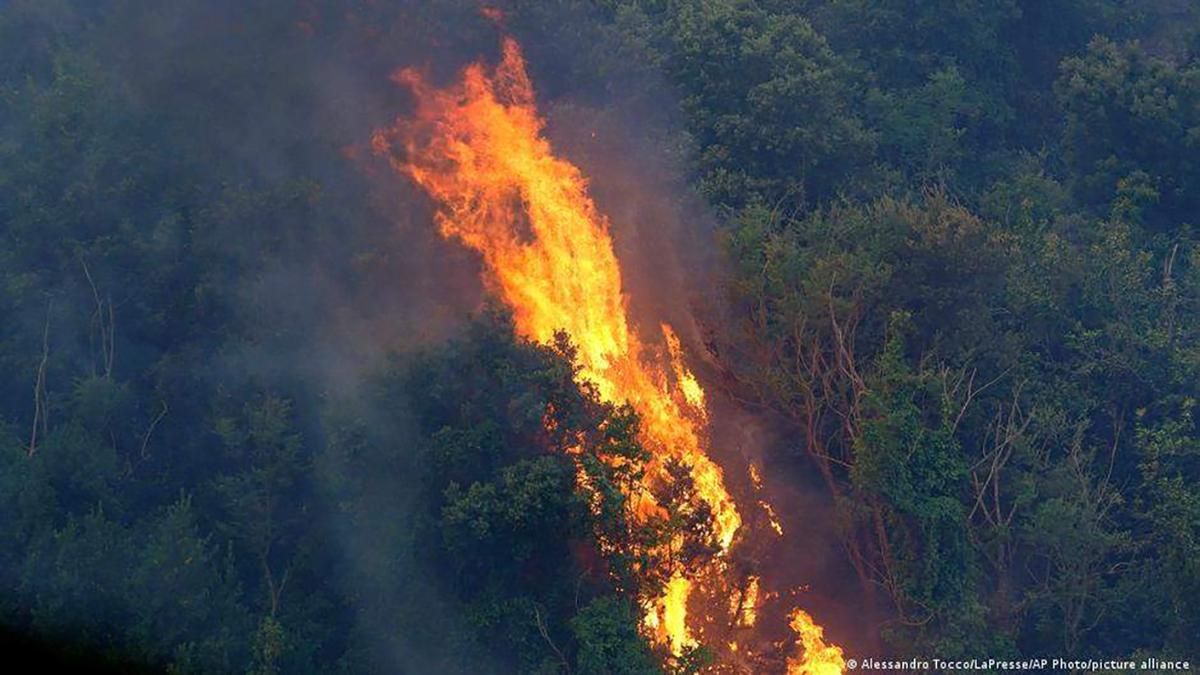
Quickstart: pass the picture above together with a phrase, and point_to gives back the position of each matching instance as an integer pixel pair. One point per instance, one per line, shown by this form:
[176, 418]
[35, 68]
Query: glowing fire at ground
[477, 148]
[817, 657]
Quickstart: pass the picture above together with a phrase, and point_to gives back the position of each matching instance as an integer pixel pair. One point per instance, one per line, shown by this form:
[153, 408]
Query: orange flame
[772, 518]
[745, 607]
[815, 657]
[478, 149]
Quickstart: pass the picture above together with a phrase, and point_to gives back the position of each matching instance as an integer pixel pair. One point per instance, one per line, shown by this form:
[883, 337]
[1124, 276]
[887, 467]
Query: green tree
[1129, 113]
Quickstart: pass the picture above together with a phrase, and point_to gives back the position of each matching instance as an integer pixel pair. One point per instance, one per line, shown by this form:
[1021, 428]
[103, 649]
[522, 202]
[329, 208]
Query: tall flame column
[478, 149]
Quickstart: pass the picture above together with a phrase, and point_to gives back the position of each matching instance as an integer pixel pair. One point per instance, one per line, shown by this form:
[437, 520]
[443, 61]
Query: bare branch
[541, 626]
[103, 322]
[40, 402]
[150, 431]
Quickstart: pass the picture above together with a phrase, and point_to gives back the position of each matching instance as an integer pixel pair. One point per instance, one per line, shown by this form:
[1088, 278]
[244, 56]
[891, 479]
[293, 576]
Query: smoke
[312, 265]
[623, 130]
[635, 153]
[341, 263]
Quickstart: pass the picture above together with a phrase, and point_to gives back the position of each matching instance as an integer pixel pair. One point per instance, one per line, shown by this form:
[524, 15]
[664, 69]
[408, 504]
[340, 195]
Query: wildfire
[478, 149]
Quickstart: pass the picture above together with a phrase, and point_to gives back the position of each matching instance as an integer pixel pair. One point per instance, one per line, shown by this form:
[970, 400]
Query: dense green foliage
[964, 272]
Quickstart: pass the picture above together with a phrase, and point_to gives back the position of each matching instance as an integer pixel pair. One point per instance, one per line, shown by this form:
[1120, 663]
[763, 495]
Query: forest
[259, 414]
